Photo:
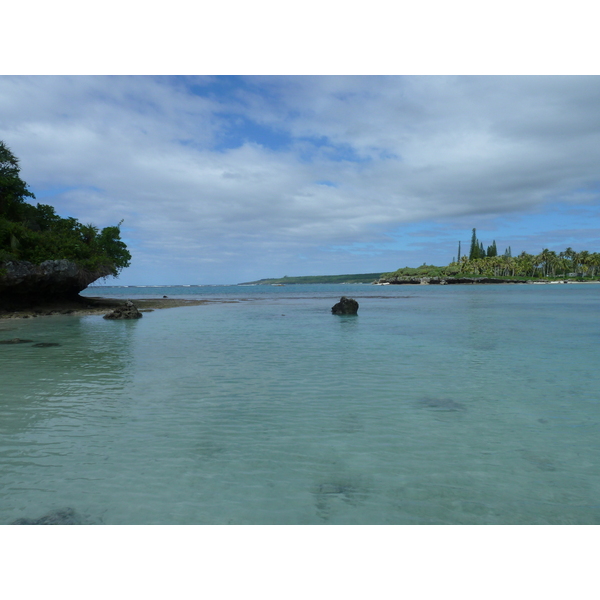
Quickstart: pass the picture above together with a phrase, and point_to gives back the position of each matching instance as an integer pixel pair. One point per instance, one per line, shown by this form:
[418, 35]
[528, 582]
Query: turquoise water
[435, 405]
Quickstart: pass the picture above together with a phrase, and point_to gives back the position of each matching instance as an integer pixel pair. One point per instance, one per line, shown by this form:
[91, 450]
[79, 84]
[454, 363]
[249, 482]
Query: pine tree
[474, 251]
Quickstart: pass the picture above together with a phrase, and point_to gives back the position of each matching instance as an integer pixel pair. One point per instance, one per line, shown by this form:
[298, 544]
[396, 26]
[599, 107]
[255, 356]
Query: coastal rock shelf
[127, 311]
[23, 283]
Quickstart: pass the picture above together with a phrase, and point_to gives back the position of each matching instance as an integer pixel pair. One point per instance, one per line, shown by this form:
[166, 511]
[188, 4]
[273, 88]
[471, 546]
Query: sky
[227, 179]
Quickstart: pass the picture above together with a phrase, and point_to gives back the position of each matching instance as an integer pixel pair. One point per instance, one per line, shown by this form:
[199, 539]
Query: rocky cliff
[22, 283]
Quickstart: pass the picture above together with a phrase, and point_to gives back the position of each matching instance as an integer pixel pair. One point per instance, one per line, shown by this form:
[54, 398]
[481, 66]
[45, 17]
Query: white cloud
[396, 151]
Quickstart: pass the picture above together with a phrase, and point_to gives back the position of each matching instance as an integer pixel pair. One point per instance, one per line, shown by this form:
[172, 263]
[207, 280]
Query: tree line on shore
[480, 262]
[547, 263]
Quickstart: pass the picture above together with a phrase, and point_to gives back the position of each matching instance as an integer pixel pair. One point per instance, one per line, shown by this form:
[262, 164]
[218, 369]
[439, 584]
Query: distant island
[360, 278]
[478, 266]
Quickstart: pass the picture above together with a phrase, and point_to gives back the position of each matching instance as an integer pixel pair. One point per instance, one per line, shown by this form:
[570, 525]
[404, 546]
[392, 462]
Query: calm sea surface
[436, 404]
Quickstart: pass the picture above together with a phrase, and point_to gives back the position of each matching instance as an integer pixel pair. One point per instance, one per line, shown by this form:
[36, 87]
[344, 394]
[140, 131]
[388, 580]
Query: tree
[474, 250]
[36, 233]
[13, 190]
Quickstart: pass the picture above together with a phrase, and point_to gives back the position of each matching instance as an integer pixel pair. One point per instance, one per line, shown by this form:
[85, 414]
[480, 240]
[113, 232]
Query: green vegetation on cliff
[36, 233]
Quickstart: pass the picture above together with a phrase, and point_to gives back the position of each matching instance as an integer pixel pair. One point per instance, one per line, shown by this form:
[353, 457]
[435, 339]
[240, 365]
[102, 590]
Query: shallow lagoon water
[435, 405]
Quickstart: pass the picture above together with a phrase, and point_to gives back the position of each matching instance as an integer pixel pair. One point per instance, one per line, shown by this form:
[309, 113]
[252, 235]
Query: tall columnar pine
[474, 250]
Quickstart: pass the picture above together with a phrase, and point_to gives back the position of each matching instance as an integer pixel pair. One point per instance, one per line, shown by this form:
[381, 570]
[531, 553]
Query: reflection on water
[60, 371]
[456, 406]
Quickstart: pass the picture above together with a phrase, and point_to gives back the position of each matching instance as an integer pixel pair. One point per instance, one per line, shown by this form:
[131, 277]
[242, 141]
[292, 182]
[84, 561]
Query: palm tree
[525, 264]
[594, 262]
[584, 260]
[548, 259]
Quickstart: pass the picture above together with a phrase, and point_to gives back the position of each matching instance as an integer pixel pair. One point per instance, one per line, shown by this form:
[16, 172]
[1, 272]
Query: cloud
[285, 171]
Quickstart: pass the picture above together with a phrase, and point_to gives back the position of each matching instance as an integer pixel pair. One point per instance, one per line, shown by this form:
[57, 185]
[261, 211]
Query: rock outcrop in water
[127, 311]
[442, 404]
[346, 306]
[62, 516]
[24, 284]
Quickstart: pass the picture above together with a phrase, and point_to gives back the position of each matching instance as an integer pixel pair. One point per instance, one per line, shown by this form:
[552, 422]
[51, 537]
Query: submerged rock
[127, 311]
[15, 341]
[445, 404]
[61, 516]
[346, 306]
[45, 344]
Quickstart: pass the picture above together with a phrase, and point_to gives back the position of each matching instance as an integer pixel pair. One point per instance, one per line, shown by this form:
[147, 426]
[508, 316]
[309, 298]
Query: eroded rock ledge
[24, 284]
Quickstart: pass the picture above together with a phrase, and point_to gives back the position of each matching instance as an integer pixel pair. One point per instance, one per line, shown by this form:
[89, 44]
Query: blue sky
[224, 179]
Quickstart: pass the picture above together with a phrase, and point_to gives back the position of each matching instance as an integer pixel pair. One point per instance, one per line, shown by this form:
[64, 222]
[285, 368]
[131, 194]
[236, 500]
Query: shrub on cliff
[37, 233]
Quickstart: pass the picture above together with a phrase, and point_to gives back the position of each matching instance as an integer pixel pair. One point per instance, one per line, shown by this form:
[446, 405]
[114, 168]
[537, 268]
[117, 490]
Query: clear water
[436, 404]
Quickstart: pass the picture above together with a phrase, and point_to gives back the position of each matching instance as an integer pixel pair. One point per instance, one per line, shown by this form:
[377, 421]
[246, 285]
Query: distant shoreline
[408, 280]
[96, 305]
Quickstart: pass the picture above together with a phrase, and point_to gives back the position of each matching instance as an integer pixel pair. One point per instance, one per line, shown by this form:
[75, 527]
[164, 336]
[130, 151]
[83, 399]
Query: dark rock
[15, 341]
[346, 306]
[127, 311]
[444, 404]
[62, 516]
[23, 283]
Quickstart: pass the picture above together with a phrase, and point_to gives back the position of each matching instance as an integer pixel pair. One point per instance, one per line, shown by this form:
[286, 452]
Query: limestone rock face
[127, 311]
[23, 283]
[346, 306]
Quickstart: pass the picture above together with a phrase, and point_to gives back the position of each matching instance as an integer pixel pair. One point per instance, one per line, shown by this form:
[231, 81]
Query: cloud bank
[226, 179]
